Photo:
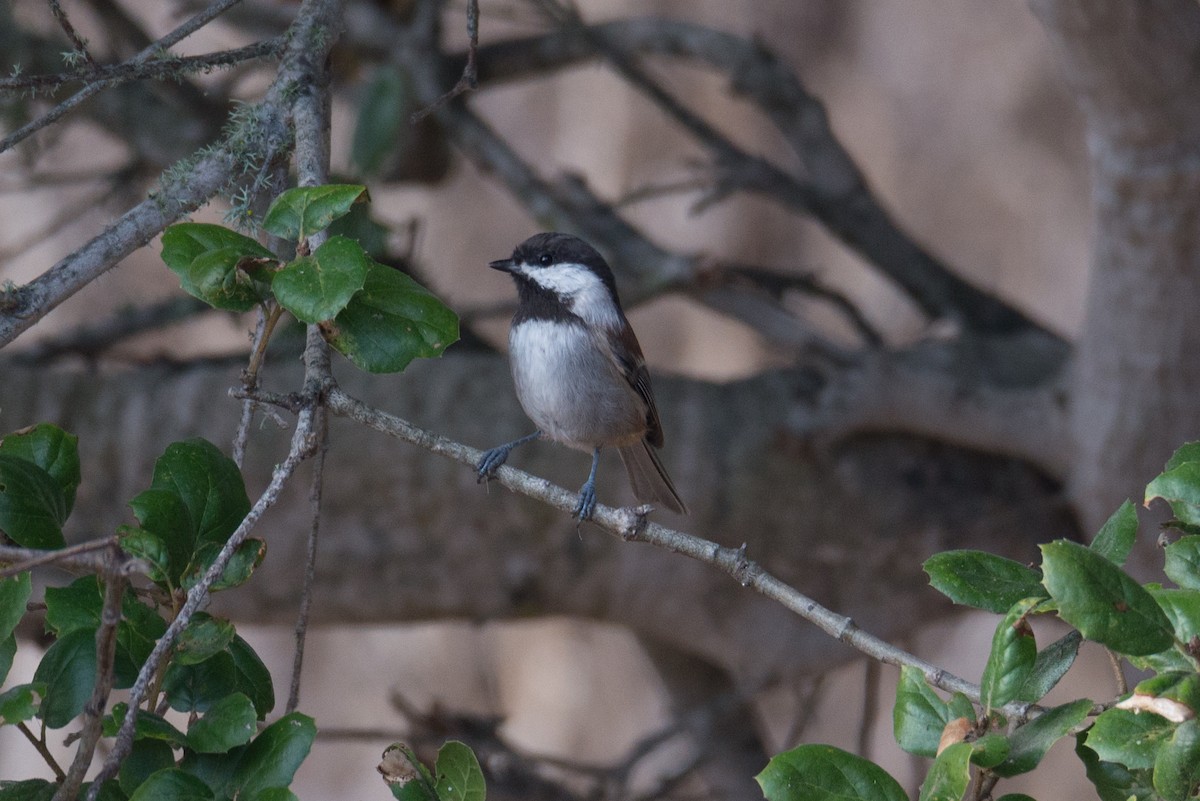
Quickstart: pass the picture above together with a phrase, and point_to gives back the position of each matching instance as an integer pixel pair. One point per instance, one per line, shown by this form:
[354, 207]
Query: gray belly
[596, 408]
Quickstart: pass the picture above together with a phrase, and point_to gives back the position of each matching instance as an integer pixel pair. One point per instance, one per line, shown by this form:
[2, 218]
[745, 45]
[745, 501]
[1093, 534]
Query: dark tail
[649, 478]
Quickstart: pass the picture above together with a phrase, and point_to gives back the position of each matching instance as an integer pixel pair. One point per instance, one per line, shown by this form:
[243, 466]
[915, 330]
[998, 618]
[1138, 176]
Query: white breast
[570, 389]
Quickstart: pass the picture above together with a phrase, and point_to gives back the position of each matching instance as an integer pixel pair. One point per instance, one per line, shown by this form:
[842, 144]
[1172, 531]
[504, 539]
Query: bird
[578, 369]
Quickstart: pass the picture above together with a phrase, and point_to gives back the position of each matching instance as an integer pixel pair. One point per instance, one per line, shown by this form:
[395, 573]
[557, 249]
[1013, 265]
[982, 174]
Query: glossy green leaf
[1030, 742]
[1112, 781]
[812, 772]
[1102, 601]
[982, 580]
[1015, 797]
[1051, 665]
[1177, 764]
[150, 548]
[32, 506]
[1179, 685]
[241, 566]
[251, 676]
[1183, 562]
[301, 212]
[197, 496]
[390, 322]
[272, 758]
[458, 775]
[53, 450]
[226, 725]
[210, 261]
[1179, 486]
[202, 638]
[195, 688]
[990, 750]
[172, 784]
[919, 715]
[1012, 656]
[1182, 608]
[148, 726]
[1187, 452]
[383, 121]
[1115, 538]
[315, 288]
[146, 758]
[1129, 738]
[949, 775]
[68, 669]
[359, 225]
[20, 703]
[14, 594]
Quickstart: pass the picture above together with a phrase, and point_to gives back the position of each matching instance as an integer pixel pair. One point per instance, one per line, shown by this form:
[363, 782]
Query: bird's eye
[545, 259]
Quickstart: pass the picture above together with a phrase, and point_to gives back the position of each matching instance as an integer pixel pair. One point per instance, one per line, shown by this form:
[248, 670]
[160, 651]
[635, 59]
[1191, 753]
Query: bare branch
[470, 74]
[78, 44]
[81, 557]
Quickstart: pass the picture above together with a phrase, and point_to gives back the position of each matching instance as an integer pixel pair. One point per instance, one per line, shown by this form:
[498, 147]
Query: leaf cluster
[1144, 745]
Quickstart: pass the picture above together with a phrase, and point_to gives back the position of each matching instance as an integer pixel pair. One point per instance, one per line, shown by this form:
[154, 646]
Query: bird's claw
[490, 462]
[587, 502]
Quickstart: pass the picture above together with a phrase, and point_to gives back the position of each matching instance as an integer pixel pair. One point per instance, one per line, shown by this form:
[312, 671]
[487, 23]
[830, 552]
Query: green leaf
[919, 715]
[1179, 486]
[382, 127]
[32, 506]
[1051, 665]
[241, 566]
[28, 790]
[75, 606]
[315, 288]
[301, 212]
[172, 784]
[227, 724]
[990, 750]
[406, 776]
[1182, 608]
[824, 772]
[1102, 601]
[8, 652]
[150, 548]
[272, 758]
[202, 638]
[459, 777]
[1030, 742]
[982, 580]
[53, 450]
[14, 594]
[273, 794]
[1187, 452]
[1112, 781]
[20, 703]
[195, 688]
[948, 777]
[1011, 660]
[210, 261]
[68, 669]
[1015, 797]
[1115, 538]
[390, 322]
[251, 676]
[363, 229]
[197, 496]
[146, 758]
[1177, 765]
[1128, 738]
[148, 726]
[1183, 562]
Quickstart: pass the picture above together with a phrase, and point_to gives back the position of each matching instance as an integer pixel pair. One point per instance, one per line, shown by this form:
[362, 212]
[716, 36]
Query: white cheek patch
[582, 290]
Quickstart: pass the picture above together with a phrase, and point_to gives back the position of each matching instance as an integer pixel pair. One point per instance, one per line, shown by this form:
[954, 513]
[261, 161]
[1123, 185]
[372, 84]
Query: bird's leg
[587, 493]
[498, 455]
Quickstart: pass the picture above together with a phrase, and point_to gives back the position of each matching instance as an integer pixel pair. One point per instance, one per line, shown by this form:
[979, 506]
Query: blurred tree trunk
[1135, 69]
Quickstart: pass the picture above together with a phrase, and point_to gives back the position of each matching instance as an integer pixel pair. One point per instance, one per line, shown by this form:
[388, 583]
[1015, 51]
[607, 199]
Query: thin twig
[77, 42]
[186, 29]
[469, 79]
[632, 526]
[74, 557]
[870, 702]
[315, 490]
[93, 711]
[40, 745]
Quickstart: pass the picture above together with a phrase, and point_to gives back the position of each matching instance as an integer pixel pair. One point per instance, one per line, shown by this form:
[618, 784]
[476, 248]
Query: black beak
[504, 265]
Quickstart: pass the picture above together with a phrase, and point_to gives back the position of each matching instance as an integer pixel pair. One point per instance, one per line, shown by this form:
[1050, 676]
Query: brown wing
[625, 351]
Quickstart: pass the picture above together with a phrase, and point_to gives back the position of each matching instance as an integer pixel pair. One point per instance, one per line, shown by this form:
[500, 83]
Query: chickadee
[578, 368]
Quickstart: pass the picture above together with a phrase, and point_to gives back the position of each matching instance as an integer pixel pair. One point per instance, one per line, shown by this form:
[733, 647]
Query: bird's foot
[587, 501]
[490, 462]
